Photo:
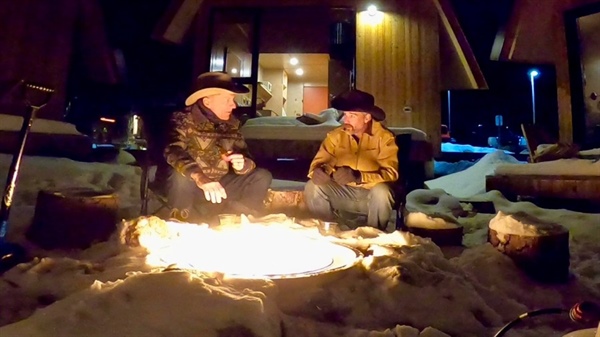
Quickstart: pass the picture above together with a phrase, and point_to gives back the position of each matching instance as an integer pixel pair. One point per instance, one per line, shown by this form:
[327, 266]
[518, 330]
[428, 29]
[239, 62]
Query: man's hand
[319, 177]
[237, 161]
[345, 175]
[213, 191]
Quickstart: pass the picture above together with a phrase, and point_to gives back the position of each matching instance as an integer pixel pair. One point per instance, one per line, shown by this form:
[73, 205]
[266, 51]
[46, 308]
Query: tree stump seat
[73, 218]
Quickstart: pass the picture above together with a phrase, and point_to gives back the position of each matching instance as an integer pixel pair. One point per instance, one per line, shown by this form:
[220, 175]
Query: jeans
[245, 194]
[332, 201]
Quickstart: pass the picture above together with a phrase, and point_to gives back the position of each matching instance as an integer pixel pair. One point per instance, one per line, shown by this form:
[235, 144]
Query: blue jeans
[331, 201]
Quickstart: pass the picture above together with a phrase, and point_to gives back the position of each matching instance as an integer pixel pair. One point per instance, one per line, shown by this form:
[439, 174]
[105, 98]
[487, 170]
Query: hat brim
[194, 97]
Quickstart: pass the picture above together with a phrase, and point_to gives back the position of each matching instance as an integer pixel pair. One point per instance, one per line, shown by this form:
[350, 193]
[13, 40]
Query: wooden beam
[511, 33]
[177, 20]
[460, 43]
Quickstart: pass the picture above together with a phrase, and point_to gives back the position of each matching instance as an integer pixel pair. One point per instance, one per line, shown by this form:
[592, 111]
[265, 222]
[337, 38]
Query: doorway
[583, 46]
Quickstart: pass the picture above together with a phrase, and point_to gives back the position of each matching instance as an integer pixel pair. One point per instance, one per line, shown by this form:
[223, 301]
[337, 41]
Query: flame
[241, 251]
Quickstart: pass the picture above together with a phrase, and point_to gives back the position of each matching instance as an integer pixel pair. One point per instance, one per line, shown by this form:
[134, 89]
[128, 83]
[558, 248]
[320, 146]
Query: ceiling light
[299, 71]
[234, 70]
[293, 61]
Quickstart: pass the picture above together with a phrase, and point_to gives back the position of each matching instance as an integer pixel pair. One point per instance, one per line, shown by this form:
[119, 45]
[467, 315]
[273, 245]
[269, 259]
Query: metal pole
[449, 112]
[531, 78]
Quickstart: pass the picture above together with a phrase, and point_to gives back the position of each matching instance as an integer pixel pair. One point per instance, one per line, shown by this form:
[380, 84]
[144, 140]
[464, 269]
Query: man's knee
[263, 175]
[382, 193]
[311, 190]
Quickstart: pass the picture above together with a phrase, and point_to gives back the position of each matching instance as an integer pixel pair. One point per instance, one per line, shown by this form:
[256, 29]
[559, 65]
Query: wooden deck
[546, 186]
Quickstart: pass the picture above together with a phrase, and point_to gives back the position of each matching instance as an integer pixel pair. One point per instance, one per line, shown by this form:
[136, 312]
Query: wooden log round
[544, 258]
[287, 201]
[73, 218]
[441, 235]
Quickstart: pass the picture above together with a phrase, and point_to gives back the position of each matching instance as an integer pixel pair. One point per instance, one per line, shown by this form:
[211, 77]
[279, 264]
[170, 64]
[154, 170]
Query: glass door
[234, 50]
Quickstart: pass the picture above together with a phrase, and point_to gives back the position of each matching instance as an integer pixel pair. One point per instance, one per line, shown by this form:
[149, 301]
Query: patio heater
[35, 97]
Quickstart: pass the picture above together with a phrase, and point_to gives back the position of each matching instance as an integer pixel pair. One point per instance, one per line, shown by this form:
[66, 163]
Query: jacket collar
[201, 114]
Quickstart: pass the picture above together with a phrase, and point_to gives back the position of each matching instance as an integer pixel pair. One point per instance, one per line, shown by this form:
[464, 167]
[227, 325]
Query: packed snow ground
[404, 286]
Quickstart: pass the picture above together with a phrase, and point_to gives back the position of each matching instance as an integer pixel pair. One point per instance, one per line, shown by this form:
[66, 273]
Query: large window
[255, 46]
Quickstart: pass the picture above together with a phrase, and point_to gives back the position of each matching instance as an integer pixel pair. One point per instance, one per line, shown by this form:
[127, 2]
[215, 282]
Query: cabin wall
[397, 60]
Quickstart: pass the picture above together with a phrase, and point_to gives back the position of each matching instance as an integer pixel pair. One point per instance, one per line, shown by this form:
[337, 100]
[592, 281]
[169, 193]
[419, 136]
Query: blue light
[534, 73]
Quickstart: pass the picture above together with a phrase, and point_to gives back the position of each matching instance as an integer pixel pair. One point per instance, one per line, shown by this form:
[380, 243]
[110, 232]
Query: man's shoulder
[181, 114]
[338, 131]
[382, 131]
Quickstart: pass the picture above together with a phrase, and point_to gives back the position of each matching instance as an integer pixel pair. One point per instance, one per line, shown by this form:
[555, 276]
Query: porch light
[372, 10]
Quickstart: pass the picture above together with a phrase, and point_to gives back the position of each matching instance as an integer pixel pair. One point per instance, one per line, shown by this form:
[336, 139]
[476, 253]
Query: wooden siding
[397, 60]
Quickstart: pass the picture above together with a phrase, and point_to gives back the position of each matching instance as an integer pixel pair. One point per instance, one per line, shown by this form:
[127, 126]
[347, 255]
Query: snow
[523, 224]
[451, 147]
[566, 167]
[432, 209]
[40, 125]
[404, 286]
[471, 181]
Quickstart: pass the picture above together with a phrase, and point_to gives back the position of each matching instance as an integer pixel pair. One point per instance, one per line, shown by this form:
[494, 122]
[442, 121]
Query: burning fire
[241, 251]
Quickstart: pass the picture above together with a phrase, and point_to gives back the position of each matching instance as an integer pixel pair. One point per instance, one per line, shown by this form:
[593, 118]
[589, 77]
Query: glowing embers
[245, 251]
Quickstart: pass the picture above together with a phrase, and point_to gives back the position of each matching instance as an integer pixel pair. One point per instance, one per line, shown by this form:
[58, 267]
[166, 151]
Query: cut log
[543, 254]
[442, 229]
[73, 218]
[287, 201]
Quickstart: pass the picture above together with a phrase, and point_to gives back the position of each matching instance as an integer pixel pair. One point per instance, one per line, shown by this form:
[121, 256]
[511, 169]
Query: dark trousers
[245, 194]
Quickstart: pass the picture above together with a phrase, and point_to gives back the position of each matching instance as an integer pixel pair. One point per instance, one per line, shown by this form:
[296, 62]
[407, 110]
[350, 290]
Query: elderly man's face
[221, 104]
[358, 121]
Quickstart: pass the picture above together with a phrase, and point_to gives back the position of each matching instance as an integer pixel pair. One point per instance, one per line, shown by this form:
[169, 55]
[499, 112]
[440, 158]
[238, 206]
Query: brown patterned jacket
[197, 141]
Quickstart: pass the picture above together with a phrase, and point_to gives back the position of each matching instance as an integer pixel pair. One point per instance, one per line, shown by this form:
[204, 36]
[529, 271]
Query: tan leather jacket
[375, 155]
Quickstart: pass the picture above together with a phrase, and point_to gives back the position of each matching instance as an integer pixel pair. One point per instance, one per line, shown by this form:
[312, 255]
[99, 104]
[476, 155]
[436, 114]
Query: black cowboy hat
[213, 83]
[356, 100]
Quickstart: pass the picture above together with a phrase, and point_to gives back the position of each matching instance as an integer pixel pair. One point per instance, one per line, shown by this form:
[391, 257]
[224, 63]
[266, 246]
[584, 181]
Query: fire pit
[246, 251]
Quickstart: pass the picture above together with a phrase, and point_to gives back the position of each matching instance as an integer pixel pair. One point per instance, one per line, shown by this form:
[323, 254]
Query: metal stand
[35, 97]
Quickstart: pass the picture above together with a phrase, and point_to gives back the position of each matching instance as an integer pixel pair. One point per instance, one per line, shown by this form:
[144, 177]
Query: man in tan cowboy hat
[352, 173]
[212, 171]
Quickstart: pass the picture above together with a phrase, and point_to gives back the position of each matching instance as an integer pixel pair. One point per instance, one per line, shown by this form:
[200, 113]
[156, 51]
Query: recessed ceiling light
[299, 71]
[293, 61]
[234, 70]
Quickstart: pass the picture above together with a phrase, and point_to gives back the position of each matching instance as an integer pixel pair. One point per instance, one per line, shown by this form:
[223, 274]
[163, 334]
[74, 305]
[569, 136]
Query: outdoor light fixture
[372, 10]
[299, 72]
[293, 61]
[533, 73]
[373, 16]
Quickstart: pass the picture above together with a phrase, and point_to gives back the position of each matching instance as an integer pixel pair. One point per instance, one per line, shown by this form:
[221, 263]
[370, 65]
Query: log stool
[73, 218]
[289, 201]
[540, 249]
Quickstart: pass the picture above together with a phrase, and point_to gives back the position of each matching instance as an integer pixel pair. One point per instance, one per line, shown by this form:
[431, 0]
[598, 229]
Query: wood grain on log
[73, 218]
[544, 258]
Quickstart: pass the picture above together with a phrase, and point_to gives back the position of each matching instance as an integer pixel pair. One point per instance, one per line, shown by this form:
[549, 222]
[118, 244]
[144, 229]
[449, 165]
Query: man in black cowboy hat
[212, 171]
[352, 172]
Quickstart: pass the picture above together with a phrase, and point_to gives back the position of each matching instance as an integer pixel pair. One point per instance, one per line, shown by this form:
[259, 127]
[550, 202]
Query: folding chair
[403, 185]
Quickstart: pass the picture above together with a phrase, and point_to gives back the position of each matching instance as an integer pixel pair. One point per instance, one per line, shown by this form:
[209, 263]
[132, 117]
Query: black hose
[533, 313]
